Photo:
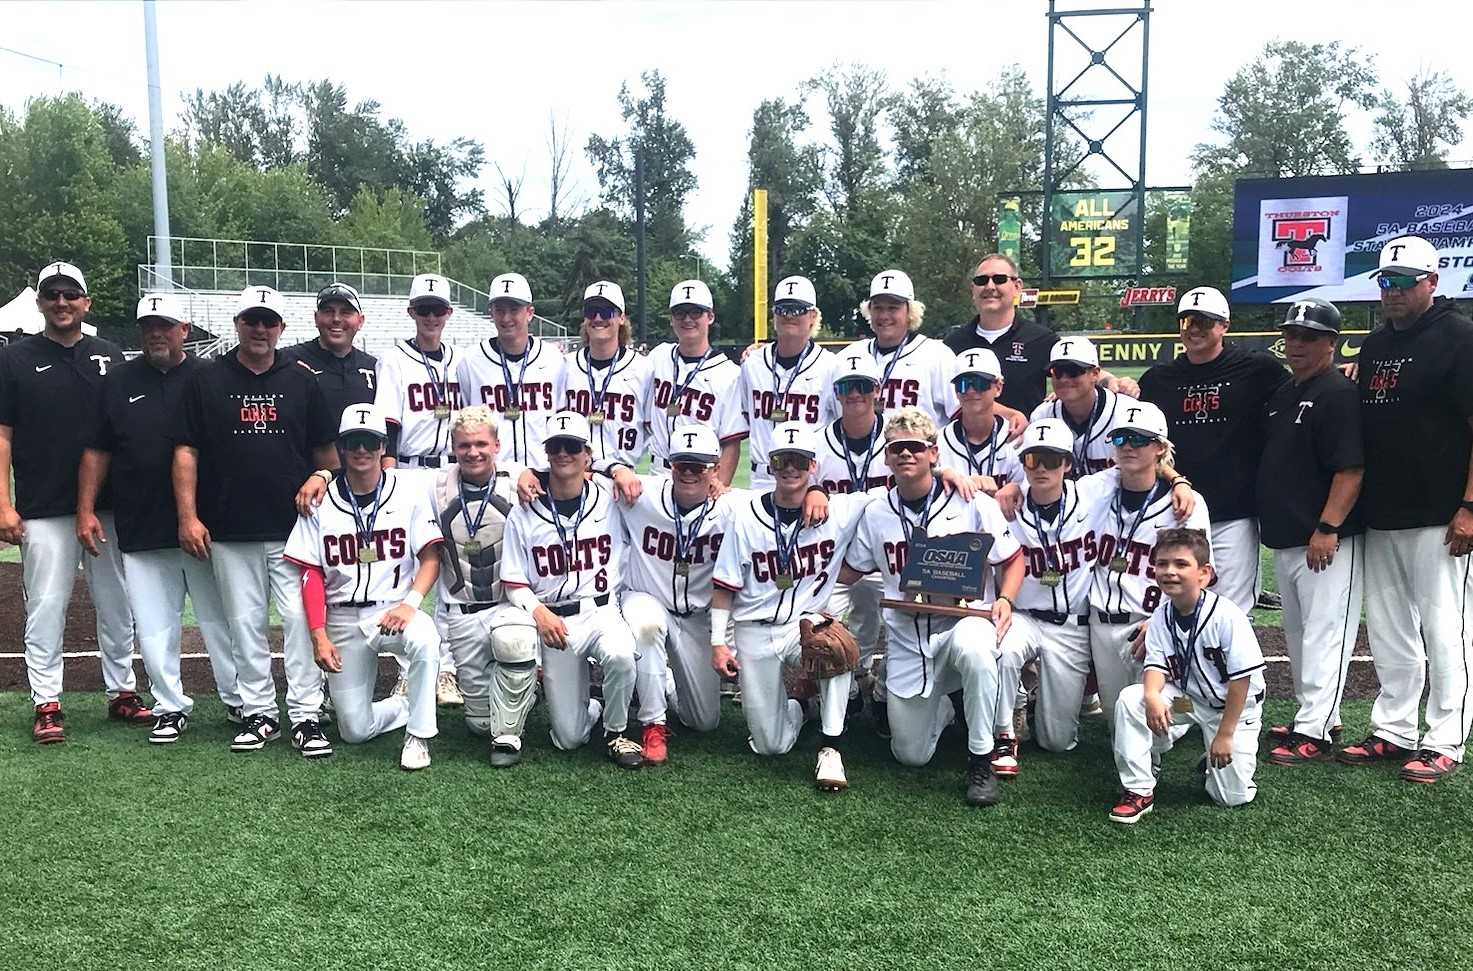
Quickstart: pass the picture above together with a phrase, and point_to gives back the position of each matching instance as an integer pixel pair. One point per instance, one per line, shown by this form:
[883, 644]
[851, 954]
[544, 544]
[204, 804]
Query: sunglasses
[1066, 371]
[690, 468]
[1134, 439]
[362, 442]
[996, 279]
[62, 294]
[790, 462]
[790, 311]
[1399, 281]
[973, 382]
[600, 313]
[688, 313]
[1044, 460]
[261, 320]
[431, 310]
[564, 446]
[850, 386]
[906, 448]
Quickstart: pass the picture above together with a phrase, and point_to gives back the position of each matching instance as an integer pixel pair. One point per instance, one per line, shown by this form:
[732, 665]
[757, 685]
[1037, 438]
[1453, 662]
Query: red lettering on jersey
[330, 551]
[534, 396]
[615, 407]
[800, 407]
[846, 485]
[896, 556]
[901, 392]
[342, 550]
[425, 396]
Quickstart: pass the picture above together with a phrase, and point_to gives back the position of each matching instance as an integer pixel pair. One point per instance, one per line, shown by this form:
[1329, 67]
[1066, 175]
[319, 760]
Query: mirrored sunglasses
[1134, 439]
[850, 386]
[1044, 459]
[1399, 281]
[906, 448]
[973, 382]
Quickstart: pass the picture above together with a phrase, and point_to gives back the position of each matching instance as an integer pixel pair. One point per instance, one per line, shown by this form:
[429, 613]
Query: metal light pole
[164, 253]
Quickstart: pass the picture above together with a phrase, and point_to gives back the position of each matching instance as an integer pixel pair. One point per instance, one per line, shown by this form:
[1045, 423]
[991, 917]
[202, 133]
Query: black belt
[474, 608]
[1116, 618]
[1058, 619]
[359, 603]
[574, 609]
[428, 461]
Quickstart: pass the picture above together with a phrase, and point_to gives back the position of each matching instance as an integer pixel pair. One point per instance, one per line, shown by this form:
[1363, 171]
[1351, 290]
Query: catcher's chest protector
[473, 577]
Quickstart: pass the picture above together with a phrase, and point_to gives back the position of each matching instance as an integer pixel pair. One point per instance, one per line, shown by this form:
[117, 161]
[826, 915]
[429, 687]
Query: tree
[921, 114]
[1417, 132]
[855, 97]
[561, 202]
[434, 173]
[349, 148]
[391, 219]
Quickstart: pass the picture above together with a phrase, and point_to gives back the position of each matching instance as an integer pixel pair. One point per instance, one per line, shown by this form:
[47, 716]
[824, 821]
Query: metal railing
[234, 264]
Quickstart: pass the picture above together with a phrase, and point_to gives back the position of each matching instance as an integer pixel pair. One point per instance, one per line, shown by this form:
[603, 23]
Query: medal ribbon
[557, 520]
[435, 380]
[682, 386]
[596, 397]
[1052, 553]
[786, 547]
[876, 350]
[1119, 510]
[684, 540]
[483, 495]
[972, 463]
[777, 388]
[1186, 667]
[859, 474]
[514, 391]
[361, 523]
[907, 527]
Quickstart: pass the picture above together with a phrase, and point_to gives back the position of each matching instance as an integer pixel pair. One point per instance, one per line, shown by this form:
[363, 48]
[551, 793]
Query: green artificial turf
[192, 857]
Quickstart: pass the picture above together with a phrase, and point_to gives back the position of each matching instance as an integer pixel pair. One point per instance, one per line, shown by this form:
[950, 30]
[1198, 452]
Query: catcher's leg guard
[514, 678]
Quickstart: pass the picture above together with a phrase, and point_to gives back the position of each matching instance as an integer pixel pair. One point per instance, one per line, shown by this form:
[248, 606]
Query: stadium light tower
[164, 252]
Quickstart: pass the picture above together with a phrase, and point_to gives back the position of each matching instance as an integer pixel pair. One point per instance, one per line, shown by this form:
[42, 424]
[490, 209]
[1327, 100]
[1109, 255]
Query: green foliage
[1417, 130]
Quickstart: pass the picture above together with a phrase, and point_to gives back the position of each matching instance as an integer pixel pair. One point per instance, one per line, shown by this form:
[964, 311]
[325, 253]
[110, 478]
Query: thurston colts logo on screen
[1299, 235]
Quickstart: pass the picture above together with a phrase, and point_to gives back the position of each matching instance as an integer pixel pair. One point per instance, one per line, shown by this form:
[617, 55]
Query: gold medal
[442, 412]
[367, 554]
[682, 568]
[777, 415]
[672, 410]
[784, 581]
[1050, 578]
[1117, 565]
[597, 418]
[470, 547]
[513, 413]
[1181, 704]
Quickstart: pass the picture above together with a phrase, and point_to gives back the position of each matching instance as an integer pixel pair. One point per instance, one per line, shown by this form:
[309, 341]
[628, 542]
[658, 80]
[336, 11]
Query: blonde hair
[626, 330]
[917, 312]
[912, 422]
[473, 417]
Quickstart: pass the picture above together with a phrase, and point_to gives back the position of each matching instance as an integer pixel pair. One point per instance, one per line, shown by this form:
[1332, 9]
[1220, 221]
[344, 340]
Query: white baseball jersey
[397, 529]
[918, 373]
[748, 562]
[804, 392]
[1060, 552]
[656, 548]
[997, 458]
[411, 387]
[619, 392]
[530, 384]
[840, 470]
[883, 544]
[1124, 580]
[1203, 653]
[704, 391]
[1092, 449]
[568, 555]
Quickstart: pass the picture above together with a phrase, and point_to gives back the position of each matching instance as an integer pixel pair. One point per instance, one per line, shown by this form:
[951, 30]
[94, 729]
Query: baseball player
[691, 383]
[975, 443]
[418, 388]
[562, 562]
[607, 381]
[1081, 402]
[250, 426]
[347, 375]
[133, 451]
[1203, 667]
[49, 384]
[789, 380]
[368, 557]
[771, 571]
[929, 656]
[516, 375]
[1308, 481]
[914, 369]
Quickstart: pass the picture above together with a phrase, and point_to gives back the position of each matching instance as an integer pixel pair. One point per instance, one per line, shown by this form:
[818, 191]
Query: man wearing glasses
[1021, 344]
[49, 388]
[1416, 409]
[250, 426]
[417, 385]
[691, 382]
[345, 372]
[607, 381]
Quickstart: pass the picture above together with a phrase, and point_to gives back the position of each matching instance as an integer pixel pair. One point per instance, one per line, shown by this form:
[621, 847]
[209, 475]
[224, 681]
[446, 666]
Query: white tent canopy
[20, 314]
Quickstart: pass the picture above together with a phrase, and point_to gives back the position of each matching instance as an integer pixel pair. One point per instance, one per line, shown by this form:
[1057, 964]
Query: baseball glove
[828, 649]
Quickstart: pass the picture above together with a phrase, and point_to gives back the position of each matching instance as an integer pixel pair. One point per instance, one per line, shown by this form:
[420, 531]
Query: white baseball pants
[858, 606]
[49, 556]
[359, 717]
[964, 658]
[600, 636]
[157, 583]
[1321, 617]
[247, 573]
[1235, 559]
[426, 478]
[683, 644]
[1014, 651]
[774, 719]
[1417, 615]
[1110, 647]
[1135, 744]
[1063, 667]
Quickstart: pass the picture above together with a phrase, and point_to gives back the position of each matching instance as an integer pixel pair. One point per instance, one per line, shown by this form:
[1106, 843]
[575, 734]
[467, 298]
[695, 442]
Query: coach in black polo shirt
[1021, 345]
[1308, 482]
[345, 373]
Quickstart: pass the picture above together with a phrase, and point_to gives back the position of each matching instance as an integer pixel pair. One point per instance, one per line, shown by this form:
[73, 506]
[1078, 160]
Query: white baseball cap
[567, 424]
[1411, 255]
[694, 443]
[1206, 301]
[339, 291]
[857, 365]
[691, 293]
[261, 298]
[427, 287]
[793, 436]
[794, 290]
[892, 283]
[363, 418]
[605, 290]
[1139, 416]
[53, 270]
[1047, 434]
[161, 304]
[511, 286]
[1074, 350]
[978, 360]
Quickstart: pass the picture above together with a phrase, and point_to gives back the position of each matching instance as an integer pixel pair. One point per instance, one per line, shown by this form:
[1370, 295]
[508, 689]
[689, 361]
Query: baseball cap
[1207, 301]
[691, 293]
[795, 291]
[1139, 416]
[261, 298]
[694, 443]
[857, 366]
[892, 283]
[1048, 435]
[339, 291]
[58, 269]
[1411, 255]
[511, 286]
[979, 361]
[363, 418]
[795, 437]
[1313, 313]
[163, 305]
[604, 290]
[429, 286]
[1074, 350]
[567, 424]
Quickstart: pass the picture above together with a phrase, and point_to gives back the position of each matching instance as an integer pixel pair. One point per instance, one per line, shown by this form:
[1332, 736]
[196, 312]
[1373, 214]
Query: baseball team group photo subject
[979, 541]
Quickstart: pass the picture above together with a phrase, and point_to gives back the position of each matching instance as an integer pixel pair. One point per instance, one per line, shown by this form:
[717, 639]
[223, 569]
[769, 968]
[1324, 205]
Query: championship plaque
[950, 568]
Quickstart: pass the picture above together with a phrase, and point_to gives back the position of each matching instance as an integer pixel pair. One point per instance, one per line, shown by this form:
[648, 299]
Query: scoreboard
[1093, 234]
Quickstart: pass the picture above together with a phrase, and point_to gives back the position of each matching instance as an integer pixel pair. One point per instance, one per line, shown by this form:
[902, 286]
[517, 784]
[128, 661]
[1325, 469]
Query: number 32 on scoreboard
[1092, 250]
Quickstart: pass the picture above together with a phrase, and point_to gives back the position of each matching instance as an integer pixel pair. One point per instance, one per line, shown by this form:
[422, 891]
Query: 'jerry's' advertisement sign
[1143, 350]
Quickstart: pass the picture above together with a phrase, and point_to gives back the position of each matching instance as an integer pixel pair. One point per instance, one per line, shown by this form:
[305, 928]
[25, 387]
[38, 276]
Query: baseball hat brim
[787, 304]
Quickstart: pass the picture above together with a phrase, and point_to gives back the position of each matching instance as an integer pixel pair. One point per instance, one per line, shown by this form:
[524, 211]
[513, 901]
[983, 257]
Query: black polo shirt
[1313, 430]
[346, 380]
[1216, 413]
[255, 434]
[1022, 350]
[48, 397]
[1416, 388]
[139, 407]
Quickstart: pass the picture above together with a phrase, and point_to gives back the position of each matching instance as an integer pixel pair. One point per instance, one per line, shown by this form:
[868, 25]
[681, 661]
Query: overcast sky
[497, 71]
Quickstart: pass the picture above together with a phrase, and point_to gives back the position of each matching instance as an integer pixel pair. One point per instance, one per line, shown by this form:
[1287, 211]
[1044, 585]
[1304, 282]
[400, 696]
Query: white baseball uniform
[772, 394]
[1092, 449]
[524, 392]
[1201, 655]
[996, 457]
[615, 399]
[918, 373]
[418, 393]
[702, 392]
[396, 523]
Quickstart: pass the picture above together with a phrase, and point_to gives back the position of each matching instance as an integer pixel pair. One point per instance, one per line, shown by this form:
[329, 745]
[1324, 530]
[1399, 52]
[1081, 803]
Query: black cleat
[982, 787]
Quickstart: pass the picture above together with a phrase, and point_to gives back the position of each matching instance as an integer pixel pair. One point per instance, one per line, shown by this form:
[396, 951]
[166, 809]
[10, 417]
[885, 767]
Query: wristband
[1326, 528]
[413, 599]
[1182, 480]
[523, 597]
[1466, 504]
[720, 620]
[326, 474]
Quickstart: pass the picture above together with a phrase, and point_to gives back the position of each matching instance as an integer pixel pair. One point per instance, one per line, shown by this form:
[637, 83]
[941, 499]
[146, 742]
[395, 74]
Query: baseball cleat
[829, 775]
[655, 744]
[447, 692]
[167, 728]
[1299, 749]
[1268, 600]
[982, 789]
[415, 755]
[257, 731]
[1429, 767]
[1091, 707]
[307, 738]
[128, 707]
[1373, 749]
[49, 727]
[506, 751]
[1005, 757]
[623, 751]
[1131, 806]
[1280, 733]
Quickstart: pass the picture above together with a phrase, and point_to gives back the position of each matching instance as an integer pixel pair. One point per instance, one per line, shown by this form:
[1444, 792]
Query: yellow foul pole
[759, 264]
